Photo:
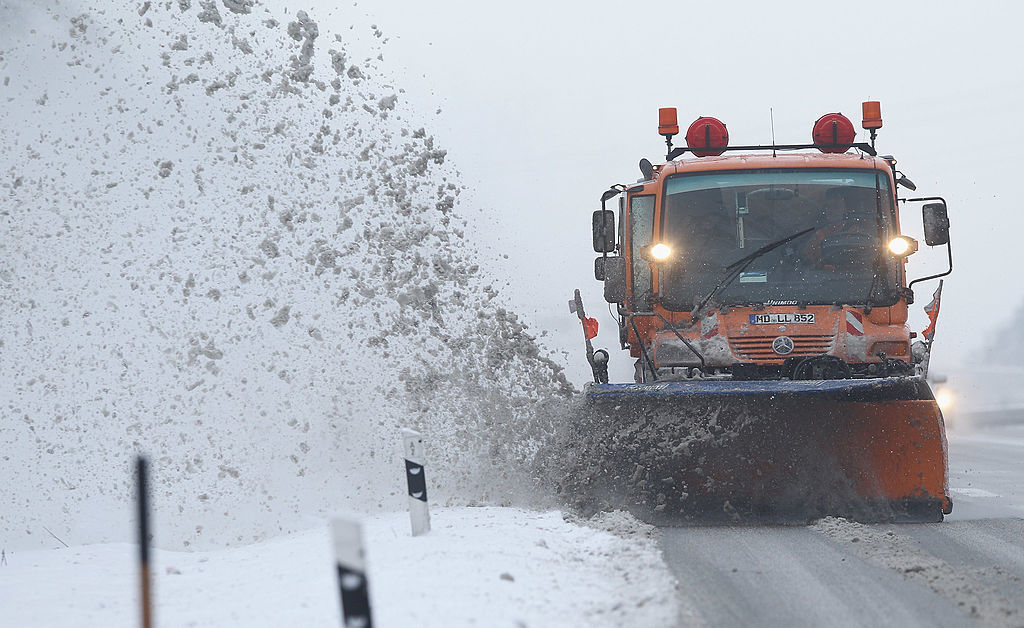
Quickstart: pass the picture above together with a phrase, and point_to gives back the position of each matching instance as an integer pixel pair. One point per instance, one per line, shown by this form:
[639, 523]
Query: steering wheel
[848, 248]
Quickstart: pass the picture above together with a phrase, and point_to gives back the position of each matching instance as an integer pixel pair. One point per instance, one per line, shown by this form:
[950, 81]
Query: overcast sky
[545, 104]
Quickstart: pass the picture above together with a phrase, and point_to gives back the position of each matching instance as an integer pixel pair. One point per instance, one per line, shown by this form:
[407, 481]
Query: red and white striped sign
[854, 323]
[709, 326]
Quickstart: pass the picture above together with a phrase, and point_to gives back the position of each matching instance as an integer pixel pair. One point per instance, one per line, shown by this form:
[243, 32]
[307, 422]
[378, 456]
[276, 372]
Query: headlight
[944, 398]
[661, 252]
[902, 246]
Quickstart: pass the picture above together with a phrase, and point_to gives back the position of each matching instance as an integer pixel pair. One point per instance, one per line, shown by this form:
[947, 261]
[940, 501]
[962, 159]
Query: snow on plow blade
[705, 451]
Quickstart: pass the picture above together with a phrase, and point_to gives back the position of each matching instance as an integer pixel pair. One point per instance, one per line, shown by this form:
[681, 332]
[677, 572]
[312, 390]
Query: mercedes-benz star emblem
[782, 345]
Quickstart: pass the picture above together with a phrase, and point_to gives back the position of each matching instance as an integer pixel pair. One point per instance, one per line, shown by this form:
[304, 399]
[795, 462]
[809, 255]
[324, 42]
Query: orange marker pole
[145, 591]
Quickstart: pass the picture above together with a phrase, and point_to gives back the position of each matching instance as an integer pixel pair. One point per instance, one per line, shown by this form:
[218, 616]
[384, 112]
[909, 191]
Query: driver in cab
[839, 216]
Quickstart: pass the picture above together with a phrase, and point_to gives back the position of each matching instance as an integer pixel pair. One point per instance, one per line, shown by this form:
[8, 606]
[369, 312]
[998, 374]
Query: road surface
[967, 570]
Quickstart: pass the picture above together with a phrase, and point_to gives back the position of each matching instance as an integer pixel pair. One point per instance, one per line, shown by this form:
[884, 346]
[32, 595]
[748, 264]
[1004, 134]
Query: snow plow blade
[760, 451]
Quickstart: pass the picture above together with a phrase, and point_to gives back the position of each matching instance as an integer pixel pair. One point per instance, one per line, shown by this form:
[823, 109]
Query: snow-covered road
[968, 568]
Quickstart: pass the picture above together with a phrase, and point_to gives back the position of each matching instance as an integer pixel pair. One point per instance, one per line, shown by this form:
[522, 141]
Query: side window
[641, 231]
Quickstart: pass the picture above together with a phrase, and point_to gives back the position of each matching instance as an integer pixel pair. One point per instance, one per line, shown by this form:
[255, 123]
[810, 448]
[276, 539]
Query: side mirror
[905, 182]
[599, 268]
[936, 231]
[604, 231]
[614, 270]
[936, 224]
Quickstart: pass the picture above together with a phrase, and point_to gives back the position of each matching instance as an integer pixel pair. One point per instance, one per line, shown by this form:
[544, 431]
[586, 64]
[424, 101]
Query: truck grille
[759, 348]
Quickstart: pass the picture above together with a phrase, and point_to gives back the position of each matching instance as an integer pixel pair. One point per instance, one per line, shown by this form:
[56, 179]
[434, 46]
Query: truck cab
[763, 292]
[764, 266]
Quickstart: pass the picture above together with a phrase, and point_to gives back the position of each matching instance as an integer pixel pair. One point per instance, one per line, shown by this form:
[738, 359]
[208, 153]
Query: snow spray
[228, 236]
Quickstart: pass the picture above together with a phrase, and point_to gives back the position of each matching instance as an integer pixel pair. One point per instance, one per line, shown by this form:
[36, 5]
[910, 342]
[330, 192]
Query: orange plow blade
[895, 450]
[778, 451]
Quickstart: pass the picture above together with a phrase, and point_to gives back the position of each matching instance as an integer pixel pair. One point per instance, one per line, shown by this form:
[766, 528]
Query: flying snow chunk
[239, 6]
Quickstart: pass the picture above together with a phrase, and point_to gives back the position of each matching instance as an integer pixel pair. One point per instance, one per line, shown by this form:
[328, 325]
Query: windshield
[713, 220]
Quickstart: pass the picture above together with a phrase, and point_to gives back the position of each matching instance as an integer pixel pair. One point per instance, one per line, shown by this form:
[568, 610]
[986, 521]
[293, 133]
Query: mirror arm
[643, 352]
[604, 226]
[949, 246]
[949, 250]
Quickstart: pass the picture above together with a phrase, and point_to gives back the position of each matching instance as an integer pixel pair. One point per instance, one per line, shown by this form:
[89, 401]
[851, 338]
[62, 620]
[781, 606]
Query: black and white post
[350, 560]
[415, 458]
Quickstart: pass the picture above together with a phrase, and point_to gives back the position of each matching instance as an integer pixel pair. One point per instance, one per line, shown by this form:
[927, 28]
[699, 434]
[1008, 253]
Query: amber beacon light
[872, 118]
[668, 124]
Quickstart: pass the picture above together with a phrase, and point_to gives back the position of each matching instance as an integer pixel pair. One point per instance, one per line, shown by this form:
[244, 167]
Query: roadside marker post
[350, 561]
[415, 458]
[145, 591]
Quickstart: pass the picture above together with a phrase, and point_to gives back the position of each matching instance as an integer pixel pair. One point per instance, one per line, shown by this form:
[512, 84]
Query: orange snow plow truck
[762, 292]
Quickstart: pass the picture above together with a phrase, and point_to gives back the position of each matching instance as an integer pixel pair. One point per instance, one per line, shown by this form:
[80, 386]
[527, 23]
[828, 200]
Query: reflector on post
[668, 123]
[833, 133]
[415, 459]
[872, 115]
[707, 137]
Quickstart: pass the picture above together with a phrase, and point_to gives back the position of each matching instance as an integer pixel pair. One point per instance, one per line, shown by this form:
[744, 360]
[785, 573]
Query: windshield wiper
[881, 273]
[735, 269]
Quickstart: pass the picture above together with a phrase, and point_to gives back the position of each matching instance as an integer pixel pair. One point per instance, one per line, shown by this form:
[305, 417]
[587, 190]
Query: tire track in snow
[992, 547]
[792, 576]
[961, 585]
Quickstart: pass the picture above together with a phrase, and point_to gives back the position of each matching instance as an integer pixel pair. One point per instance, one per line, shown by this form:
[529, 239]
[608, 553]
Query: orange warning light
[668, 124]
[872, 115]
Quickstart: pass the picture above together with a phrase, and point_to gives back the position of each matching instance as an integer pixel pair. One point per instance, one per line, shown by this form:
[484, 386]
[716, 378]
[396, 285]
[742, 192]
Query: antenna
[771, 116]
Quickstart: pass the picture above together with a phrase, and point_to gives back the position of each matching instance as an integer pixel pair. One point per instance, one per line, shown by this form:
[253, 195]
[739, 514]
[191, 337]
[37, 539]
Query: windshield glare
[712, 220]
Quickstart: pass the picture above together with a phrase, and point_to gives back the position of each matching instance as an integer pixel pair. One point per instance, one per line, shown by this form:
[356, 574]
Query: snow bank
[228, 243]
[479, 566]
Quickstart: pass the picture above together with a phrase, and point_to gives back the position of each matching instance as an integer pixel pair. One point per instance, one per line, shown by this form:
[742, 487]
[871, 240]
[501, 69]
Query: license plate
[794, 318]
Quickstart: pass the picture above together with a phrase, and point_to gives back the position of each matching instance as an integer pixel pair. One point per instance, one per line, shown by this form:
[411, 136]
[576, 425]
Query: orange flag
[932, 309]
